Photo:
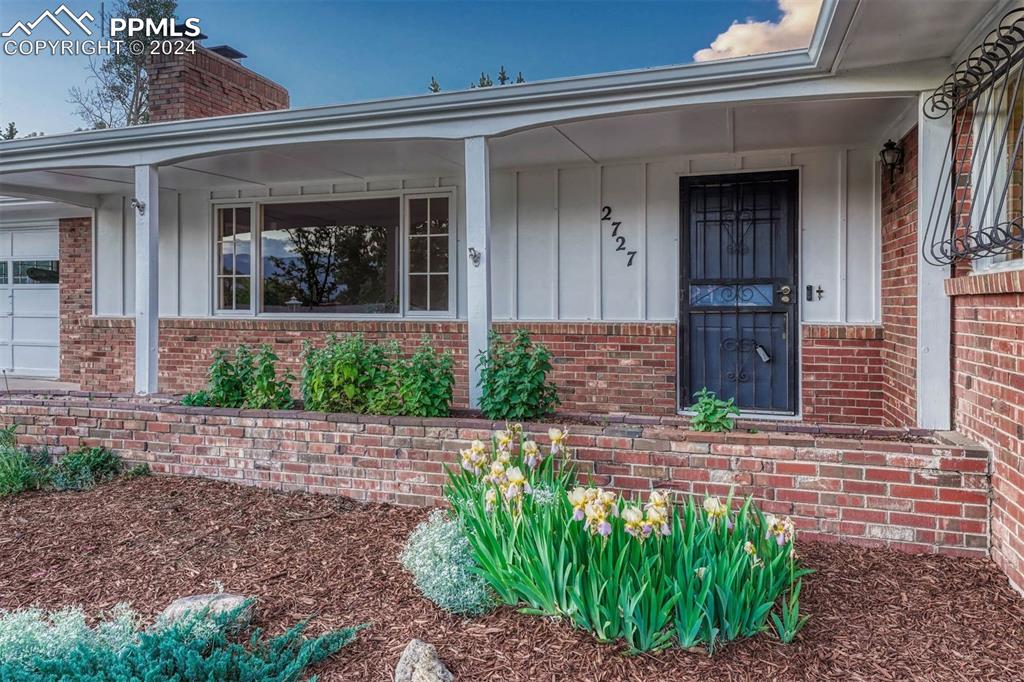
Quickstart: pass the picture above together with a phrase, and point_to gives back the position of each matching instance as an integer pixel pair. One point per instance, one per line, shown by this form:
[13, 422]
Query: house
[724, 224]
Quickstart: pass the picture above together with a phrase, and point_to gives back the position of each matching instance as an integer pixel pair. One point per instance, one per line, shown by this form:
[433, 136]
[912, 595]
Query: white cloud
[792, 31]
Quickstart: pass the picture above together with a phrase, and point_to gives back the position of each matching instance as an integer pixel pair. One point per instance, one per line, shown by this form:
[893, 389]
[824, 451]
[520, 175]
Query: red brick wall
[921, 497]
[75, 248]
[597, 366]
[899, 290]
[205, 84]
[988, 394]
[843, 381]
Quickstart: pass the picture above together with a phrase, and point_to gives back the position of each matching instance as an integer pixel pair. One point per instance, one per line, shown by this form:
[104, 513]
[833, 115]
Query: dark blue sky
[328, 52]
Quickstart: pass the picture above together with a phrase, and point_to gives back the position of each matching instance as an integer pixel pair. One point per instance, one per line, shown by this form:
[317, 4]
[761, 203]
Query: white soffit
[894, 31]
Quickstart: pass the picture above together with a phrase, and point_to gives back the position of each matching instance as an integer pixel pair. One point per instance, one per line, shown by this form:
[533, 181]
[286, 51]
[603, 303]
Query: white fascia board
[455, 115]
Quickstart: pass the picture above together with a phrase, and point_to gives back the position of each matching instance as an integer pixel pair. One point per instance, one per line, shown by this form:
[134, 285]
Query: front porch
[571, 229]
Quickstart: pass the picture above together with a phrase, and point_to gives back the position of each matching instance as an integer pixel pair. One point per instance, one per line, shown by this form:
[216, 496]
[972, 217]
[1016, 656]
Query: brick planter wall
[915, 496]
[988, 392]
[899, 290]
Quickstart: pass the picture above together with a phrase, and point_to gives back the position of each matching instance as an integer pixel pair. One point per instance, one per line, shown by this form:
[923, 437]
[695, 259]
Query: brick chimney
[208, 83]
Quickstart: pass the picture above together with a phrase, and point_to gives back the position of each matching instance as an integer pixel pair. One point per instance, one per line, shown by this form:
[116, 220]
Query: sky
[327, 52]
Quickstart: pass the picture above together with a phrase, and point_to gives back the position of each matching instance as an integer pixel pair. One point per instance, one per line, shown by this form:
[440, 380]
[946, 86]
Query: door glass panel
[731, 294]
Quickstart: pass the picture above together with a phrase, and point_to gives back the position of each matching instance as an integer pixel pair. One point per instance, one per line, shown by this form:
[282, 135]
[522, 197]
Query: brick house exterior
[863, 295]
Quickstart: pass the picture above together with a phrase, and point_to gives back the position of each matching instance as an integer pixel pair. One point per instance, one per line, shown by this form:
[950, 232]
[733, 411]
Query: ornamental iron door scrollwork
[742, 349]
[736, 226]
[731, 294]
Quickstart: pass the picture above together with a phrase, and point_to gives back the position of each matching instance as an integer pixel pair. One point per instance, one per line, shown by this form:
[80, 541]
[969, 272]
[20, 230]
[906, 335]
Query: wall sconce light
[892, 159]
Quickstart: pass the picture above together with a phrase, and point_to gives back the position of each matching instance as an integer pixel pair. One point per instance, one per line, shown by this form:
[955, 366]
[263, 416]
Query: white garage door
[29, 302]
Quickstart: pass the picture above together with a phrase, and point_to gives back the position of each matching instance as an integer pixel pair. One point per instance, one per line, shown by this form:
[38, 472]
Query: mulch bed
[876, 614]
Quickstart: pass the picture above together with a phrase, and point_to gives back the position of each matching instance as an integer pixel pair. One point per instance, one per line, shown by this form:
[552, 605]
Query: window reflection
[331, 256]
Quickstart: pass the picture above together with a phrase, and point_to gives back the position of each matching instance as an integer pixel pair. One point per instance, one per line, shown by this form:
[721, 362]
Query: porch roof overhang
[832, 68]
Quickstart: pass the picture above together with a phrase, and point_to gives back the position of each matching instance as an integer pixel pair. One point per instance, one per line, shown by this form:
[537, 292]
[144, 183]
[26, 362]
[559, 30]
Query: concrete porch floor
[16, 383]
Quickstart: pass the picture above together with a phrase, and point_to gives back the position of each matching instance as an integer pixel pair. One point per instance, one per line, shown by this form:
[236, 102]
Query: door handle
[784, 292]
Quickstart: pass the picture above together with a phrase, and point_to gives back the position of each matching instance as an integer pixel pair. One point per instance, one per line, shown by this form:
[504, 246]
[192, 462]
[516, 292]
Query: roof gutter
[463, 106]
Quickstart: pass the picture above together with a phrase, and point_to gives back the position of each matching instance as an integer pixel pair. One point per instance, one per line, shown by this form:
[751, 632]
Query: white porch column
[478, 256]
[933, 306]
[147, 240]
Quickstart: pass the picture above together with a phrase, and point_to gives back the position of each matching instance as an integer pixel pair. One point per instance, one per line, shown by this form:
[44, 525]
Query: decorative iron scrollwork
[979, 198]
[742, 348]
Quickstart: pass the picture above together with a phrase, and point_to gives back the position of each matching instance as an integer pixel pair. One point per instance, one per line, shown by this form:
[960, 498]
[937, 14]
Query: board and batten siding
[553, 258]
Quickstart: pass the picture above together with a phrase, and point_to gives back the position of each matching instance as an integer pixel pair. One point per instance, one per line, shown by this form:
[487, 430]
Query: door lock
[784, 293]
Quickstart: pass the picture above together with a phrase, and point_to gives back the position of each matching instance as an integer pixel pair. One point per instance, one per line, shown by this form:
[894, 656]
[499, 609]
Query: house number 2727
[620, 241]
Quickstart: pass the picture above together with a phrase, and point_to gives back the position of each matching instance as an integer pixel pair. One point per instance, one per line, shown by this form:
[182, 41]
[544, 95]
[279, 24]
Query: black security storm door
[738, 303]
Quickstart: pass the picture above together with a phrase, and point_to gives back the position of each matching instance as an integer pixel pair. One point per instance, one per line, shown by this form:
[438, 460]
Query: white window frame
[452, 268]
[215, 261]
[996, 176]
[256, 265]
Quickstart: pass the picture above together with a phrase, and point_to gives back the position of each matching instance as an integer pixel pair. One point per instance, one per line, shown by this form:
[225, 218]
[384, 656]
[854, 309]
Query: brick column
[75, 292]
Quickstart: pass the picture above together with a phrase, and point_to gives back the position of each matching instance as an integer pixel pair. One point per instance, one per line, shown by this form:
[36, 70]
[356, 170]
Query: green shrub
[189, 649]
[355, 375]
[84, 468]
[441, 562]
[426, 382]
[22, 470]
[712, 414]
[245, 379]
[513, 379]
[28, 634]
[640, 572]
[344, 374]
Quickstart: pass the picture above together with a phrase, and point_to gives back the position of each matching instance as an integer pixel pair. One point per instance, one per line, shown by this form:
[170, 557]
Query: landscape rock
[419, 663]
[213, 604]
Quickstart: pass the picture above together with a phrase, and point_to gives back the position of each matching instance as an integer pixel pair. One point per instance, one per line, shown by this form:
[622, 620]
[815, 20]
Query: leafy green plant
[645, 573]
[22, 470]
[244, 379]
[355, 375]
[791, 622]
[711, 413]
[266, 391]
[84, 468]
[200, 647]
[344, 374]
[440, 560]
[426, 382]
[137, 471]
[513, 379]
[8, 436]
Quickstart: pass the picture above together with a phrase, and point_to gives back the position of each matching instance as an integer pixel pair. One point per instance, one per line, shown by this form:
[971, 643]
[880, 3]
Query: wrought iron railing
[978, 200]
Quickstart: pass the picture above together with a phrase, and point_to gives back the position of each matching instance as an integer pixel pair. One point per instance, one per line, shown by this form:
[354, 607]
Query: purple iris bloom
[577, 515]
[604, 529]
